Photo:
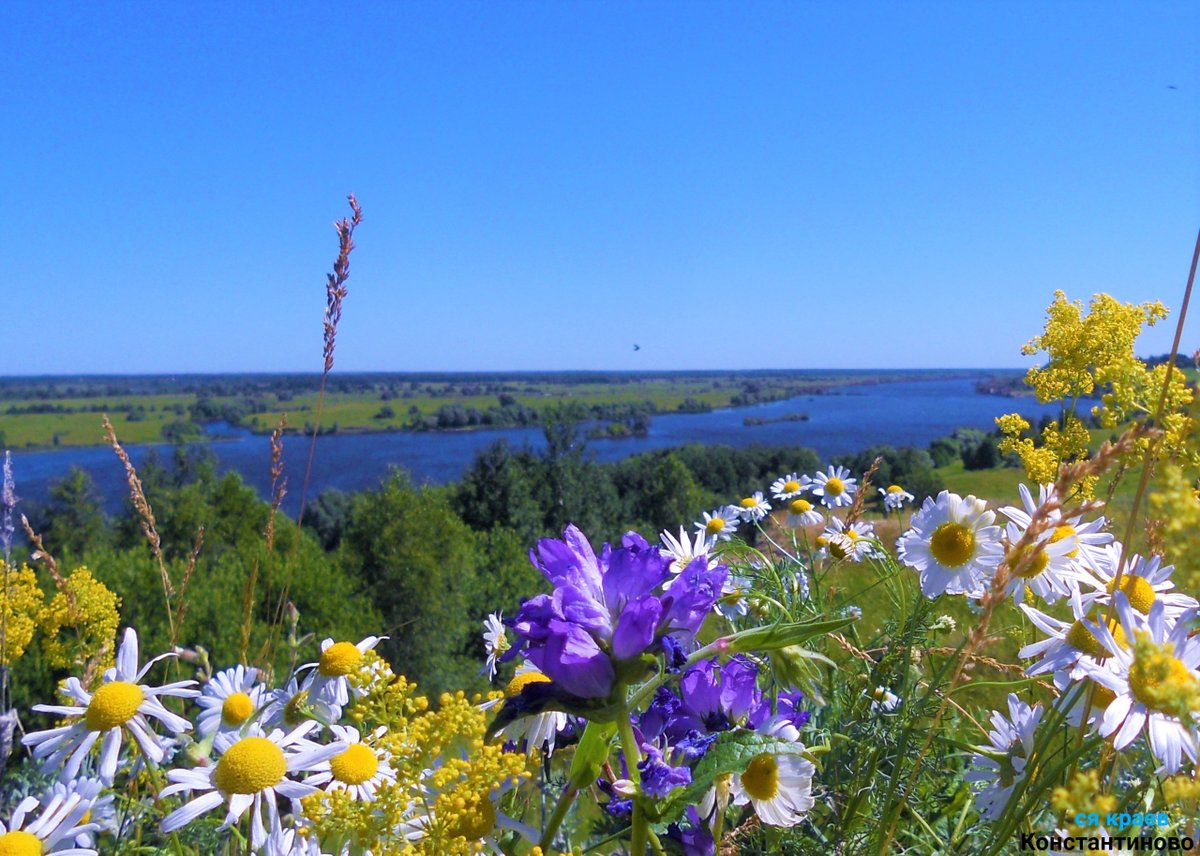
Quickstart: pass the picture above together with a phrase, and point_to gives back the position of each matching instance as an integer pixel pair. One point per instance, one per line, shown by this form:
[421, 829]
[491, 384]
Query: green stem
[637, 842]
[557, 817]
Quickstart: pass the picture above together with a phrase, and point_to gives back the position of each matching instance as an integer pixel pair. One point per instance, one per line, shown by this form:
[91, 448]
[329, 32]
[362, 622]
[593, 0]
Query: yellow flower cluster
[1086, 352]
[449, 778]
[1082, 795]
[1175, 504]
[80, 624]
[22, 604]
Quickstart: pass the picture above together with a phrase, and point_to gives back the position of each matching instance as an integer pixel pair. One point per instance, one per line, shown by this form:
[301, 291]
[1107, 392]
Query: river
[844, 420]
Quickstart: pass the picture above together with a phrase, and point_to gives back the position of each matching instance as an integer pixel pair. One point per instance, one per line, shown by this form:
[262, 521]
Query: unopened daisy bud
[624, 788]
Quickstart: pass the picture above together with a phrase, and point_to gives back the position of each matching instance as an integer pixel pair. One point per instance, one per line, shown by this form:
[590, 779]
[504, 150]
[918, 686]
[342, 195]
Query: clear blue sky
[729, 185]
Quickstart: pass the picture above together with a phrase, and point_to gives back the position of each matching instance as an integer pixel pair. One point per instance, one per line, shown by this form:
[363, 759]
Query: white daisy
[802, 513]
[1054, 571]
[733, 601]
[855, 541]
[790, 486]
[778, 786]
[884, 699]
[328, 679]
[1137, 683]
[1144, 581]
[682, 551]
[754, 508]
[101, 814]
[953, 545]
[1069, 646]
[895, 497]
[119, 704]
[56, 828]
[359, 770]
[540, 730]
[250, 773]
[292, 705]
[495, 640]
[1088, 536]
[1003, 764]
[228, 700]
[720, 523]
[835, 487]
[291, 842]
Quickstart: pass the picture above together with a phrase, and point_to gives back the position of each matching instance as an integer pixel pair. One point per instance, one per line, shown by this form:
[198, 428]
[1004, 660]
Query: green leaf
[591, 753]
[784, 634]
[731, 752]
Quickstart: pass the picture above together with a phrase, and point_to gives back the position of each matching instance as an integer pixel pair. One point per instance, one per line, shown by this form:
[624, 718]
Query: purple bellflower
[609, 608]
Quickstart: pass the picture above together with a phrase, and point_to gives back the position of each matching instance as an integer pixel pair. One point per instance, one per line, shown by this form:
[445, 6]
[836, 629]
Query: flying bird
[637, 347]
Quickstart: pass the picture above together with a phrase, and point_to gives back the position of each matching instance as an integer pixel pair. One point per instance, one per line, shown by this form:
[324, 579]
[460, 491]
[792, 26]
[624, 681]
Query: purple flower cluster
[609, 608]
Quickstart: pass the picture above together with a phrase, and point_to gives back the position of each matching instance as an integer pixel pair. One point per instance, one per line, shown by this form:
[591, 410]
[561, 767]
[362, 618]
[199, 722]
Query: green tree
[74, 519]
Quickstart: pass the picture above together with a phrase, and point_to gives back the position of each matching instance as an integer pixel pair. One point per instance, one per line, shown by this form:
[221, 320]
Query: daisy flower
[250, 773]
[328, 679]
[1052, 573]
[884, 699]
[682, 551]
[790, 486]
[1144, 581]
[120, 704]
[835, 487]
[292, 705]
[291, 842]
[229, 700]
[1069, 646]
[733, 601]
[1003, 764]
[359, 769]
[855, 541]
[720, 523]
[778, 786]
[953, 545]
[495, 640]
[895, 497]
[1088, 537]
[540, 730]
[101, 814]
[1154, 680]
[802, 513]
[754, 508]
[56, 828]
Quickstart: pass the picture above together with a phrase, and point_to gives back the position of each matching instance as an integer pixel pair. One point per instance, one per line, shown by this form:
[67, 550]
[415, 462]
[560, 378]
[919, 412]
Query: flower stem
[560, 812]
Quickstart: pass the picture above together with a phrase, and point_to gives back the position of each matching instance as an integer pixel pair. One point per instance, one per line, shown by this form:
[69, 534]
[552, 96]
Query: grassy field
[380, 405]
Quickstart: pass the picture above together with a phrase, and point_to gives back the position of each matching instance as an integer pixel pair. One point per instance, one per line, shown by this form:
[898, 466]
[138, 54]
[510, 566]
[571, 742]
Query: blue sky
[743, 185]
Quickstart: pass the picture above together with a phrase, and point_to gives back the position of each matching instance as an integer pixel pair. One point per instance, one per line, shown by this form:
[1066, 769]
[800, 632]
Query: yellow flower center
[249, 766]
[339, 659]
[1102, 696]
[952, 544]
[519, 682]
[732, 598]
[879, 694]
[1084, 641]
[20, 844]
[715, 526]
[790, 486]
[1066, 530]
[834, 486]
[1141, 595]
[1158, 680]
[749, 502]
[800, 506]
[294, 711]
[761, 779]
[113, 705]
[475, 822]
[354, 766]
[839, 546]
[822, 541]
[236, 709]
[1028, 569]
[895, 488]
